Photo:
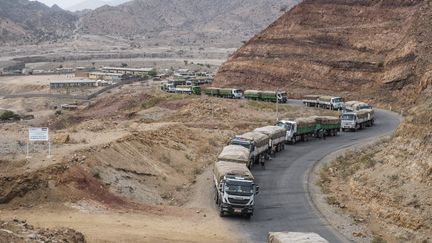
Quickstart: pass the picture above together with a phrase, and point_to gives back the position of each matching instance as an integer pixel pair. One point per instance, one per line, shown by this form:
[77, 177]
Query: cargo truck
[357, 120]
[224, 92]
[211, 91]
[269, 96]
[184, 89]
[294, 237]
[235, 189]
[257, 144]
[327, 125]
[181, 89]
[323, 101]
[236, 154]
[276, 135]
[352, 106]
[300, 129]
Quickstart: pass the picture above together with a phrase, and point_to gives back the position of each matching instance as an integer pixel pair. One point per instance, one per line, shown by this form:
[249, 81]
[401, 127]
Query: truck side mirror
[257, 190]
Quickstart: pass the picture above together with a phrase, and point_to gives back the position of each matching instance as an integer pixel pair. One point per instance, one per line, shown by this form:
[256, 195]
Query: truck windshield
[363, 107]
[239, 188]
[237, 91]
[287, 126]
[348, 117]
[337, 100]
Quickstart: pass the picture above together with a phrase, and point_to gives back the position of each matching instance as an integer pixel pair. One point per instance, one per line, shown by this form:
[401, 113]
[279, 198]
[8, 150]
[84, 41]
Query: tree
[152, 73]
[124, 65]
[9, 115]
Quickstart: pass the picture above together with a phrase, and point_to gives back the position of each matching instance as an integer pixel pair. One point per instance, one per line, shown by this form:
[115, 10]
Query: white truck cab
[237, 93]
[291, 128]
[337, 103]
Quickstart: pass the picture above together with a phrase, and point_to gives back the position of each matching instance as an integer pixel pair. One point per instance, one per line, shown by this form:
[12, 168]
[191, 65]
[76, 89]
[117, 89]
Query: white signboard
[38, 134]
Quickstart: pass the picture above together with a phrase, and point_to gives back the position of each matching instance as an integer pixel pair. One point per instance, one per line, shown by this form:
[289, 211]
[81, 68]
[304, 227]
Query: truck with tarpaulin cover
[324, 101]
[327, 125]
[223, 92]
[300, 129]
[353, 121]
[235, 188]
[269, 96]
[257, 144]
[236, 154]
[294, 237]
[352, 106]
[277, 137]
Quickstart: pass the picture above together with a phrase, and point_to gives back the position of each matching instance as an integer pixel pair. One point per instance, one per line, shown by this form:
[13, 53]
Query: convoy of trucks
[323, 101]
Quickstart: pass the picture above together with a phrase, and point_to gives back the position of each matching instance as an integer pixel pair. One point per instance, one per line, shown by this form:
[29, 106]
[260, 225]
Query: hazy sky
[61, 3]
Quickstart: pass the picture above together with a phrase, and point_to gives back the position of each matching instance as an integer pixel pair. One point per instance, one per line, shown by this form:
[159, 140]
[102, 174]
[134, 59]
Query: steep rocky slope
[336, 46]
[28, 21]
[203, 20]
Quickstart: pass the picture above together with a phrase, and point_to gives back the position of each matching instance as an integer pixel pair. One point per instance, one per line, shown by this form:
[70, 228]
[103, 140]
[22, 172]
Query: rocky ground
[20, 231]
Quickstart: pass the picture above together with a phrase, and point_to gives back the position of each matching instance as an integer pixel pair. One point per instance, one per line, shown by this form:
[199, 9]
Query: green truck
[327, 125]
[224, 92]
[303, 129]
[181, 89]
[269, 96]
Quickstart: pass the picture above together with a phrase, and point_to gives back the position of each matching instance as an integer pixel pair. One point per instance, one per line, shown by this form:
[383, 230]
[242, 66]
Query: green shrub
[9, 115]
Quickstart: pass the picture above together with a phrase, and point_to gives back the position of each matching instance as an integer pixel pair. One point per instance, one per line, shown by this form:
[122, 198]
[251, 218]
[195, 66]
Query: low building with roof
[114, 77]
[129, 71]
[73, 84]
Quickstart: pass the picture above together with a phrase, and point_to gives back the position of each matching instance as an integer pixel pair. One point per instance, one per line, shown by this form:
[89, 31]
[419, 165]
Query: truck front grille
[238, 201]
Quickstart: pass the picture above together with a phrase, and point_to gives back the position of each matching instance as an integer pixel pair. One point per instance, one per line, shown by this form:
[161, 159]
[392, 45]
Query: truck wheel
[248, 216]
[221, 213]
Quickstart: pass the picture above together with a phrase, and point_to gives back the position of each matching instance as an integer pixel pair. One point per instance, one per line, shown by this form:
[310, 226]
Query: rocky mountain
[23, 20]
[181, 20]
[343, 46]
[374, 50]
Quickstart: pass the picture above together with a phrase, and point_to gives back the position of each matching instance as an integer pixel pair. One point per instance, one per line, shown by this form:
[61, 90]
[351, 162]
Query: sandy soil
[102, 225]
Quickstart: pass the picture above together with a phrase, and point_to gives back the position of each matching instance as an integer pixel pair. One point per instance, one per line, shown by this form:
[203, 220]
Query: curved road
[283, 203]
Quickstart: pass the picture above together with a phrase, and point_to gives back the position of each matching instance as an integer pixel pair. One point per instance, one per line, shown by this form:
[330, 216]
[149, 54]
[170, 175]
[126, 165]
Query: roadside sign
[38, 134]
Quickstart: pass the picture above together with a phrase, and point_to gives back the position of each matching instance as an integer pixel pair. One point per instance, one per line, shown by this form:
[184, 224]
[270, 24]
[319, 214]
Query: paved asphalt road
[283, 204]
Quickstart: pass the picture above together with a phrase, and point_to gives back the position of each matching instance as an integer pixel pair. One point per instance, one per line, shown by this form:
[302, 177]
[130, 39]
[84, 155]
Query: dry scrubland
[127, 165]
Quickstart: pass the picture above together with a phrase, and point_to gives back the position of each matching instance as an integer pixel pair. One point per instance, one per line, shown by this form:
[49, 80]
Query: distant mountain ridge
[27, 21]
[171, 21]
[238, 19]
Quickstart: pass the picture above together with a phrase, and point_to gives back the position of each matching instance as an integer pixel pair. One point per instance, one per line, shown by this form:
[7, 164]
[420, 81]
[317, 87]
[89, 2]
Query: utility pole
[277, 105]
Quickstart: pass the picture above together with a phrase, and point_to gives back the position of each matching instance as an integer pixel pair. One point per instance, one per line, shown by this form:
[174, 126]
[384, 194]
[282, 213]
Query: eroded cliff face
[357, 48]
